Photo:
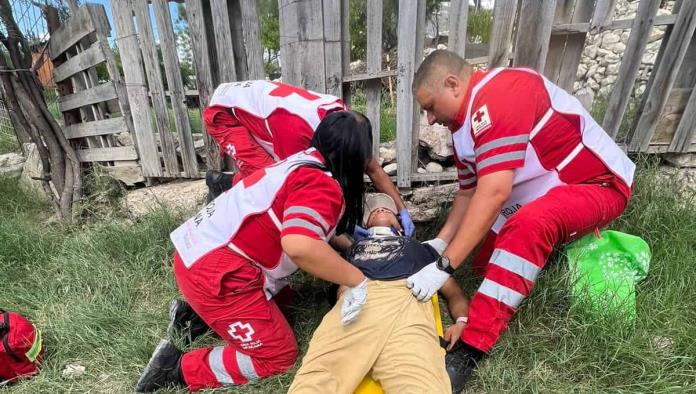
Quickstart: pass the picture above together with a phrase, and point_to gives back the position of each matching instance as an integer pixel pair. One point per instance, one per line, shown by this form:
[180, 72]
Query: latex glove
[406, 222]
[353, 301]
[426, 282]
[359, 233]
[438, 244]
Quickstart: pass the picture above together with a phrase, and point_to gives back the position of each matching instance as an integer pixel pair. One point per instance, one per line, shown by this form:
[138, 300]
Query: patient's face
[383, 217]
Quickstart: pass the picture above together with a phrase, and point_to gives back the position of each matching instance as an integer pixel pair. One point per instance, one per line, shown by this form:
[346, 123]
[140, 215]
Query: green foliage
[387, 113]
[479, 26]
[270, 36]
[8, 141]
[390, 14]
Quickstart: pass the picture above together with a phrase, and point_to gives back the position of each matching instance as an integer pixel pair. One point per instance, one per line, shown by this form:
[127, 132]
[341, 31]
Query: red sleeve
[314, 204]
[502, 117]
[291, 133]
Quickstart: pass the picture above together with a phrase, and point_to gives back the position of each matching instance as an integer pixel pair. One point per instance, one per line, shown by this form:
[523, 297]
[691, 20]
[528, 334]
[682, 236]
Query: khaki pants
[393, 339]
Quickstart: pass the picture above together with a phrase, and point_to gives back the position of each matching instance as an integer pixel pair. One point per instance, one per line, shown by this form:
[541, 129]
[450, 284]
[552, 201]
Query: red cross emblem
[284, 90]
[241, 331]
[478, 116]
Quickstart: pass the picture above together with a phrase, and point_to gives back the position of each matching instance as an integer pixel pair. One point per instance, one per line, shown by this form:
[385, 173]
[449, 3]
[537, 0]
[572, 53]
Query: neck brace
[379, 231]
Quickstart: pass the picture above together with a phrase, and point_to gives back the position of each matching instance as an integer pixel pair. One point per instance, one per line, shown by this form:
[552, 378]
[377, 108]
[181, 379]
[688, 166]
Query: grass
[387, 113]
[99, 291]
[8, 142]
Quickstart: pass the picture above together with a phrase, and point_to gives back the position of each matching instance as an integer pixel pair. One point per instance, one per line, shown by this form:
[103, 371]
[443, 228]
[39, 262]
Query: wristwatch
[443, 264]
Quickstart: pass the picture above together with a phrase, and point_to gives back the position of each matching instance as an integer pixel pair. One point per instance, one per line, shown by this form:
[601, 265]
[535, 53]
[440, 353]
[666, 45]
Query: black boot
[163, 370]
[460, 363]
[184, 322]
[218, 183]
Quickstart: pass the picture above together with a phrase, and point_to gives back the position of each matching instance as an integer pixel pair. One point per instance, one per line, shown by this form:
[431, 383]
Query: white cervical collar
[379, 231]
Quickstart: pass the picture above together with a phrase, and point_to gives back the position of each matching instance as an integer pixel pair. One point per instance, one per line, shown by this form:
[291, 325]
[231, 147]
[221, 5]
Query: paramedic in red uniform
[236, 253]
[535, 170]
[257, 123]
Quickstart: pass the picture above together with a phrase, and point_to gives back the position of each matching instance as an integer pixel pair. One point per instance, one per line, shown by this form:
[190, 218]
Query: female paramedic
[234, 255]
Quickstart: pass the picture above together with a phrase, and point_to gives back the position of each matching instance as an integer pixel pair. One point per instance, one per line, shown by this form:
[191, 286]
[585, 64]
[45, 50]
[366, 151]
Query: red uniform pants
[514, 258]
[236, 141]
[226, 291]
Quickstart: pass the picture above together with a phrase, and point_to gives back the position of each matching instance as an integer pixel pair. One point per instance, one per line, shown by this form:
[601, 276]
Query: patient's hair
[437, 64]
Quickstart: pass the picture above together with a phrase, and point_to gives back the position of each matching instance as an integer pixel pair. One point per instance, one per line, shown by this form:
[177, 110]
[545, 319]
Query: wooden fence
[547, 35]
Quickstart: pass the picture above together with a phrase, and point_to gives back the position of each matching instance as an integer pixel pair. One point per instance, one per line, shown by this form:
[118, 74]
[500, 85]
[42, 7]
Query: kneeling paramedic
[535, 170]
[395, 339]
[257, 123]
[235, 254]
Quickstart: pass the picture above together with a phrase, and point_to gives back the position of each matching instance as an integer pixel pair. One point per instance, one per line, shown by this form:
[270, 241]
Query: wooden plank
[670, 116]
[72, 4]
[575, 44]
[204, 75]
[374, 65]
[131, 59]
[156, 87]
[86, 97]
[687, 127]
[557, 44]
[240, 56]
[445, 176]
[84, 60]
[651, 79]
[176, 88]
[533, 33]
[97, 127]
[420, 45]
[71, 32]
[103, 31]
[345, 47]
[370, 76]
[252, 39]
[107, 154]
[630, 63]
[302, 32]
[332, 48]
[603, 14]
[621, 24]
[223, 40]
[458, 19]
[666, 74]
[686, 77]
[435, 177]
[405, 104]
[501, 33]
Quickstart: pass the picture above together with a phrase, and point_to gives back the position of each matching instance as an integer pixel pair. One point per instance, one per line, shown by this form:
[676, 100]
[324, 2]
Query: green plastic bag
[605, 271]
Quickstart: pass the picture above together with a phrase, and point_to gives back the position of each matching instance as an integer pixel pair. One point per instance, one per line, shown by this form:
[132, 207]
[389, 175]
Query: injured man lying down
[394, 340]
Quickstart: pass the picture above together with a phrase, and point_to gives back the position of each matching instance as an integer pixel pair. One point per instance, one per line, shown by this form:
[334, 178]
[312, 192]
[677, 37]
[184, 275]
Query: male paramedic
[535, 170]
[257, 123]
[395, 339]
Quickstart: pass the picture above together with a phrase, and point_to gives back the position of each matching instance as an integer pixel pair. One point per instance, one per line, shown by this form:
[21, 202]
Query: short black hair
[443, 59]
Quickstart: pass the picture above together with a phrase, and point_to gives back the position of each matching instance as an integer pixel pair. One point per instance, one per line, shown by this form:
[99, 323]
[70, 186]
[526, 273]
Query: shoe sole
[148, 368]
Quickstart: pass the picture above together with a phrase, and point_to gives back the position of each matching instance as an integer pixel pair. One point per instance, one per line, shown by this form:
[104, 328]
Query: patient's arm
[341, 243]
[458, 305]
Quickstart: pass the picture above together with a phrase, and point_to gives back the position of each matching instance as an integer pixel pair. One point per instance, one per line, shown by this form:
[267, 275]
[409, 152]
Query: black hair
[344, 139]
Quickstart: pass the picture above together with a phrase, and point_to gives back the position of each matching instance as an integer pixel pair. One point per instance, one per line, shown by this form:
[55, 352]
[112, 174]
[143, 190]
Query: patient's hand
[453, 333]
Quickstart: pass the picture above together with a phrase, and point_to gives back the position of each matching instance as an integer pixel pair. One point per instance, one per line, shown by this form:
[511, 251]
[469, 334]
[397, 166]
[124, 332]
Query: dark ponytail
[344, 139]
